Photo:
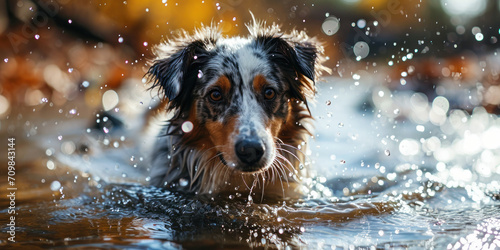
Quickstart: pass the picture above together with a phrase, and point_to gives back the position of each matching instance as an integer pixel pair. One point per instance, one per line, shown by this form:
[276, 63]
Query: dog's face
[242, 106]
[238, 93]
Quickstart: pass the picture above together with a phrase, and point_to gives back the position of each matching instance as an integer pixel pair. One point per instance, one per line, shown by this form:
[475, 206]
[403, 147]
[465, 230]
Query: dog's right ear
[176, 69]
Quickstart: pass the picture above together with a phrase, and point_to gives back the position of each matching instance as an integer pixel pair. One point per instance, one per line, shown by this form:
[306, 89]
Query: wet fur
[182, 71]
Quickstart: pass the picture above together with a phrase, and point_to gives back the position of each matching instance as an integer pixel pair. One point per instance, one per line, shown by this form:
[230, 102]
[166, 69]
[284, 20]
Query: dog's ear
[176, 69]
[306, 59]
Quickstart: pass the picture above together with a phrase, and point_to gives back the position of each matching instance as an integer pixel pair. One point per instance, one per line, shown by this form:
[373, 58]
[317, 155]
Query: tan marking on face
[197, 137]
[221, 136]
[224, 83]
[274, 126]
[259, 82]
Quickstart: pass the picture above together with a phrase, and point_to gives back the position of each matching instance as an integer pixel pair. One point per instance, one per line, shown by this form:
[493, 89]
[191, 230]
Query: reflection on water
[390, 169]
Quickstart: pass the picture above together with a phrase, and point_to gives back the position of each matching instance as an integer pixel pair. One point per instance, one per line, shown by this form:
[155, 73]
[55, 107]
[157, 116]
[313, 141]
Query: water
[391, 169]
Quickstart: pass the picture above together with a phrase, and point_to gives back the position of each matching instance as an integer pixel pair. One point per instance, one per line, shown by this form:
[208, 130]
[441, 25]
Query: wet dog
[239, 115]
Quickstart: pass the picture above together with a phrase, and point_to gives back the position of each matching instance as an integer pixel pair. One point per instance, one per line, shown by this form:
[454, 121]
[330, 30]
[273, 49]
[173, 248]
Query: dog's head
[240, 94]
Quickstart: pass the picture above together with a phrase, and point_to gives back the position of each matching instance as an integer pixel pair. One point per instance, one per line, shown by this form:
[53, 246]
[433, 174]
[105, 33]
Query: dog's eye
[215, 95]
[269, 93]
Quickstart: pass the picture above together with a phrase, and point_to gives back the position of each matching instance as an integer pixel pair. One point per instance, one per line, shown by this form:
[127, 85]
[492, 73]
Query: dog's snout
[250, 151]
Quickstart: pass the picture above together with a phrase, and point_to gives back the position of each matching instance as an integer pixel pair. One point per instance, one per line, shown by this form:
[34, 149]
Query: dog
[239, 114]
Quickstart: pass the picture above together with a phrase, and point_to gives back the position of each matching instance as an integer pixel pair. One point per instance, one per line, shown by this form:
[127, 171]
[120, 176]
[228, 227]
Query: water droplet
[328, 102]
[330, 26]
[109, 100]
[132, 158]
[409, 147]
[49, 152]
[44, 100]
[361, 49]
[120, 39]
[341, 124]
[361, 23]
[200, 74]
[183, 182]
[37, 36]
[187, 126]
[387, 152]
[145, 44]
[55, 185]
[6, 59]
[70, 21]
[420, 128]
[85, 84]
[106, 130]
[479, 36]
[72, 111]
[59, 137]
[475, 30]
[342, 161]
[51, 165]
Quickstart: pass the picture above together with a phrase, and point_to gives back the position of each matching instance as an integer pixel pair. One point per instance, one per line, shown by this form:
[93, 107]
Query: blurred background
[54, 51]
[407, 126]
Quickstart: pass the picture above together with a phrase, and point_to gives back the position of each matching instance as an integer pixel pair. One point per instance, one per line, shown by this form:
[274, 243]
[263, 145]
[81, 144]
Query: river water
[391, 169]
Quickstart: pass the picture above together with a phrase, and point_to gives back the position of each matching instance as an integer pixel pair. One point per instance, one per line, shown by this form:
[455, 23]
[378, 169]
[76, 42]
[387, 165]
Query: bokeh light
[468, 8]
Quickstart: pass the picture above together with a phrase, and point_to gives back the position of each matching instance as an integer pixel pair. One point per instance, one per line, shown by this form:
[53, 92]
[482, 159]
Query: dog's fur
[242, 93]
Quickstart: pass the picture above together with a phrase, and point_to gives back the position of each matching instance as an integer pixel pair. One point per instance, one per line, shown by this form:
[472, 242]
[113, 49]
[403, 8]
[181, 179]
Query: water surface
[390, 169]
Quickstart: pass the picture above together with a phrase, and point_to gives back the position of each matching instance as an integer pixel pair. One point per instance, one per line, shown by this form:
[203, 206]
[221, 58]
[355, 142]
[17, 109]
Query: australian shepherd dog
[239, 115]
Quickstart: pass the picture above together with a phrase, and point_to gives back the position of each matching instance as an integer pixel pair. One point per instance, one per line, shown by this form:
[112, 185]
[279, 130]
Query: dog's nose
[249, 151]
